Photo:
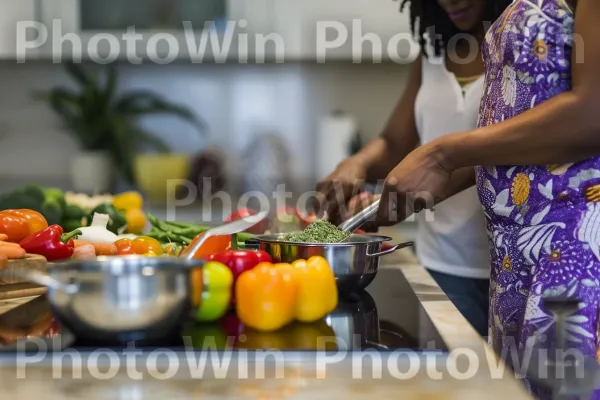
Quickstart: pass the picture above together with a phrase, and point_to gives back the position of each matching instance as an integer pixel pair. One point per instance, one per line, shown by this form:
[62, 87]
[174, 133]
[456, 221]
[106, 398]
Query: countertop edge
[455, 330]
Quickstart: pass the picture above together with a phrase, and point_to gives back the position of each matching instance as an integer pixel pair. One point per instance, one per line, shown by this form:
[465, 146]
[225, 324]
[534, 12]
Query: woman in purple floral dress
[537, 170]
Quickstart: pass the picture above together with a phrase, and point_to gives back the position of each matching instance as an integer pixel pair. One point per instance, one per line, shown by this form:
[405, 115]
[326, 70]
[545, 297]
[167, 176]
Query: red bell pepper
[51, 243]
[239, 261]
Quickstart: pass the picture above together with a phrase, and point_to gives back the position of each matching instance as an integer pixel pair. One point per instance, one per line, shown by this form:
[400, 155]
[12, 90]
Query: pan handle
[42, 279]
[391, 249]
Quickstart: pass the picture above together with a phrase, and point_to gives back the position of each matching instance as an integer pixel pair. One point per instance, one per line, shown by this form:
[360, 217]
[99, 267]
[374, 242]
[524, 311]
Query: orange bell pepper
[212, 245]
[18, 224]
[271, 296]
[266, 296]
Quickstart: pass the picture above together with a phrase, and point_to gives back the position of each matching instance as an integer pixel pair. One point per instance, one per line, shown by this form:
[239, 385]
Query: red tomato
[124, 247]
[145, 245]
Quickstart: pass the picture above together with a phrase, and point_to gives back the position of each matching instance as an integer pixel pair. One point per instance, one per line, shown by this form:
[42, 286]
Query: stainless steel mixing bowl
[354, 262]
[119, 299]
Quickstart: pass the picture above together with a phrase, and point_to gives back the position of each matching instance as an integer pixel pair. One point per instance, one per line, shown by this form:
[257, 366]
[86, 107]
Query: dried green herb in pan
[318, 232]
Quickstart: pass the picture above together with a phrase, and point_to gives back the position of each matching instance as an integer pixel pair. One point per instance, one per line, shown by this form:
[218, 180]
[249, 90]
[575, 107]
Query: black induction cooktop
[387, 316]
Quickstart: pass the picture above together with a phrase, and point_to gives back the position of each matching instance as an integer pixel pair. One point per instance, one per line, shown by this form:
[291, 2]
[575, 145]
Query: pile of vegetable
[266, 296]
[72, 210]
[319, 231]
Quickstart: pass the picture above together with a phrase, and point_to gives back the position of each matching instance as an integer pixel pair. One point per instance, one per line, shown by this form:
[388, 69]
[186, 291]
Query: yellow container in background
[154, 171]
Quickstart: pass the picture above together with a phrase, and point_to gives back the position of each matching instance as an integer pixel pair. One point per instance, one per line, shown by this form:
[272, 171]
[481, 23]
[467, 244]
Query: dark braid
[432, 19]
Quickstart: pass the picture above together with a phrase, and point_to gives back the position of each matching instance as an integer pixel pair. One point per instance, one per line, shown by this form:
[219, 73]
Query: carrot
[102, 249]
[11, 252]
[10, 244]
[3, 237]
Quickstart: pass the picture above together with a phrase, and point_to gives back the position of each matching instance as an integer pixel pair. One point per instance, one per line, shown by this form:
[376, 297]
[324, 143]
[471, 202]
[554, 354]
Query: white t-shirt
[451, 239]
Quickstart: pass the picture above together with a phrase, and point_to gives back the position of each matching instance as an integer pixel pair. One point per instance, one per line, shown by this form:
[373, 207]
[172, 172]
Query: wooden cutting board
[20, 290]
[30, 261]
[12, 286]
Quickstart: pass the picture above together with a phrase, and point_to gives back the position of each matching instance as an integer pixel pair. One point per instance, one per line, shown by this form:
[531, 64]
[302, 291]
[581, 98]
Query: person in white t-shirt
[443, 96]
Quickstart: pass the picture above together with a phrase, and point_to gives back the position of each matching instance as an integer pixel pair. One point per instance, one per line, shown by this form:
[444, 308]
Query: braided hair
[432, 18]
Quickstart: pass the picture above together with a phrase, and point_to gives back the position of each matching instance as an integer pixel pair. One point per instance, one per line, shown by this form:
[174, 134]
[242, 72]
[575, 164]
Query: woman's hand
[417, 183]
[341, 185]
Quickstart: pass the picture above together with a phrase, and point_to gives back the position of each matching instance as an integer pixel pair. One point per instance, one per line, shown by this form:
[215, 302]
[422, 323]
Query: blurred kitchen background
[257, 124]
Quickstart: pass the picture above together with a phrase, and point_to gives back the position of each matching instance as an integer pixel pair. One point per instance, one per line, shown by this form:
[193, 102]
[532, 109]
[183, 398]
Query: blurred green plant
[101, 120]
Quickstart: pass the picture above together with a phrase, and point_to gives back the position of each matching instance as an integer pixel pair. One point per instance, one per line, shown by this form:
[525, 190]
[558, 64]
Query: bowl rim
[368, 239]
[126, 261]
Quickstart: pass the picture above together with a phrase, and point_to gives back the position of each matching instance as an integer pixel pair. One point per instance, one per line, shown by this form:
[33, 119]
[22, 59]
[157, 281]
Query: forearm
[562, 130]
[460, 180]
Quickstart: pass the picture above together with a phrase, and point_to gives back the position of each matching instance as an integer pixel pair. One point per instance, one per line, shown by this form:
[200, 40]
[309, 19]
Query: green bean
[157, 223]
[181, 225]
[168, 237]
[174, 229]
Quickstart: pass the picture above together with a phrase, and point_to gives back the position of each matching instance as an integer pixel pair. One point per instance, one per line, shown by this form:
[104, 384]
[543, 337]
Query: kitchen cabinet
[160, 31]
[357, 30]
[13, 12]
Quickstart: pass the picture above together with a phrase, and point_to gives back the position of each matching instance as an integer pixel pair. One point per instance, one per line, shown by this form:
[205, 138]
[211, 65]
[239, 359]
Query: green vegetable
[18, 199]
[169, 232]
[53, 212]
[318, 232]
[73, 212]
[35, 192]
[116, 217]
[168, 237]
[71, 225]
[57, 196]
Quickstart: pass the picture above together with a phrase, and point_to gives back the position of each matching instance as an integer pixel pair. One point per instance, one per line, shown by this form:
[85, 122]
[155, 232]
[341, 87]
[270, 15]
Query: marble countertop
[470, 370]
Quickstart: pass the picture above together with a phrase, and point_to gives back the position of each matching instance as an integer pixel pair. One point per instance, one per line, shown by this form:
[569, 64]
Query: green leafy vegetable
[318, 232]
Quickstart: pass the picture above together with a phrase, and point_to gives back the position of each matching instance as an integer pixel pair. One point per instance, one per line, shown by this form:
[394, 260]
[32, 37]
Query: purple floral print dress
[543, 221]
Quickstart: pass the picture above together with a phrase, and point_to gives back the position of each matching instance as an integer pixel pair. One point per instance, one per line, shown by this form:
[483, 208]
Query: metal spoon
[359, 219]
[227, 229]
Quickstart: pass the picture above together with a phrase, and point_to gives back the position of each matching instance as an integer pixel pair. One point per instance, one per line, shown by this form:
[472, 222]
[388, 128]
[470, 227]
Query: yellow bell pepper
[266, 296]
[316, 288]
[271, 296]
[128, 201]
